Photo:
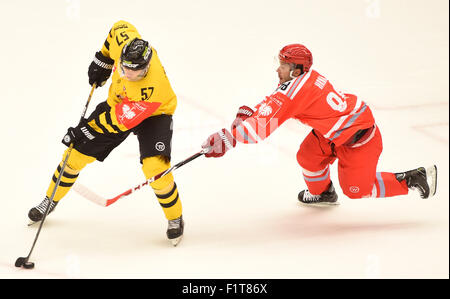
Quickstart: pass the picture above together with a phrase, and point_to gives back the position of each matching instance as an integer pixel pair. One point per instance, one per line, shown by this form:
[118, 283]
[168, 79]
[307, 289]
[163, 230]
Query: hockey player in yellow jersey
[140, 100]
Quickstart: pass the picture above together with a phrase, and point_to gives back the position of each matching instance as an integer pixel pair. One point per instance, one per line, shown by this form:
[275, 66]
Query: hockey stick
[23, 261]
[88, 194]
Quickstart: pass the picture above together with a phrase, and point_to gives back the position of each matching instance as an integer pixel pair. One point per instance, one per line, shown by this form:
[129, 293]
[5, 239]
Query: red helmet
[298, 54]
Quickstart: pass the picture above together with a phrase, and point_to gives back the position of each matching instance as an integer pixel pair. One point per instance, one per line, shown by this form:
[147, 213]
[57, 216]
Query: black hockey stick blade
[23, 262]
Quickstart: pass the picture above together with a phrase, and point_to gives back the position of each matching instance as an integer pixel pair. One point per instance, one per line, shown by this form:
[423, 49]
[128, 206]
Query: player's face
[132, 75]
[284, 71]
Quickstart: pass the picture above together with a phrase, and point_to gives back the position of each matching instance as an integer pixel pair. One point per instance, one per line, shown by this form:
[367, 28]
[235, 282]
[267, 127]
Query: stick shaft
[88, 101]
[152, 179]
[50, 200]
[59, 177]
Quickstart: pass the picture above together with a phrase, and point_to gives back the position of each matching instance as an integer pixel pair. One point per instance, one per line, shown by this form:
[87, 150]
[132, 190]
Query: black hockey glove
[100, 69]
[79, 135]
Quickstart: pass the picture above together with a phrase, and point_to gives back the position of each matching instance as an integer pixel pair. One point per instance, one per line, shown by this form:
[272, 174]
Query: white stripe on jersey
[297, 84]
[294, 85]
[241, 130]
[303, 81]
[343, 118]
[336, 126]
[251, 131]
[358, 104]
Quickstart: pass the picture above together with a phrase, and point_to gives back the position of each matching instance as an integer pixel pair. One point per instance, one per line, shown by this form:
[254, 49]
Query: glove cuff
[244, 112]
[227, 139]
[103, 61]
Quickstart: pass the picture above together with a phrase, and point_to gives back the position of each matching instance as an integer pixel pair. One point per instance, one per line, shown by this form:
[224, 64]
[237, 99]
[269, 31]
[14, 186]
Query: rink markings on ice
[403, 107]
[427, 130]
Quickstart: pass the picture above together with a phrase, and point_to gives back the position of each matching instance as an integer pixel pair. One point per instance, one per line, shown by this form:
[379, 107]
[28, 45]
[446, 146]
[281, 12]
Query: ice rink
[242, 217]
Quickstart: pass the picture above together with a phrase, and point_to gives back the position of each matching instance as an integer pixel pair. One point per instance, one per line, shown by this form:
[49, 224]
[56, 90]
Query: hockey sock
[317, 181]
[387, 185]
[169, 201]
[68, 178]
[76, 162]
[165, 189]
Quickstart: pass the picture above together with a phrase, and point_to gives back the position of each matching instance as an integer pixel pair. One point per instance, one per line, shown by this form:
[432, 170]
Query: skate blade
[31, 222]
[176, 241]
[432, 175]
[320, 204]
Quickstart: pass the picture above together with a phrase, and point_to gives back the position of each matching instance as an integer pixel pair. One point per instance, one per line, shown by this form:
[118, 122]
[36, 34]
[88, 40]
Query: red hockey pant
[357, 167]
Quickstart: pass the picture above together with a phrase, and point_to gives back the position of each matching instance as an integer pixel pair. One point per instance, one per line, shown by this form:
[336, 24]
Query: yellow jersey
[153, 87]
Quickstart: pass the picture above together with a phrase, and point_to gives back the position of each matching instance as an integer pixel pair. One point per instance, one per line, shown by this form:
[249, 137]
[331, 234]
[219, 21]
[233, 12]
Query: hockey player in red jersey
[343, 129]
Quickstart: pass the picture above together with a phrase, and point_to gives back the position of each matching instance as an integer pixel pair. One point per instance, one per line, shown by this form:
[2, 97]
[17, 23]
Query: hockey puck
[28, 265]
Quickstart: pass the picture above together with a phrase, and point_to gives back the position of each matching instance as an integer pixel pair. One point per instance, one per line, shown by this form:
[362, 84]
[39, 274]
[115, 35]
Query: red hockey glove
[219, 143]
[131, 114]
[243, 113]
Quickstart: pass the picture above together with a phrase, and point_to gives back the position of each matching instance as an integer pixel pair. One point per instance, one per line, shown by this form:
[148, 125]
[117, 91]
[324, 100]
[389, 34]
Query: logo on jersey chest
[270, 107]
[264, 110]
[128, 113]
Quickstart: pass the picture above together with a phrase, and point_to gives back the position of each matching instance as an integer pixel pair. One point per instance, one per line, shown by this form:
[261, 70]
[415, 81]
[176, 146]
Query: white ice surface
[241, 212]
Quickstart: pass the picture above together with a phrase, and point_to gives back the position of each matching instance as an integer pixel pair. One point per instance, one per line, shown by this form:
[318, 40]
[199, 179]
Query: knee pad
[152, 166]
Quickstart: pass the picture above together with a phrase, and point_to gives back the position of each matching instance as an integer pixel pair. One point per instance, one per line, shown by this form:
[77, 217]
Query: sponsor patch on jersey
[269, 108]
[278, 99]
[128, 112]
[267, 120]
[264, 110]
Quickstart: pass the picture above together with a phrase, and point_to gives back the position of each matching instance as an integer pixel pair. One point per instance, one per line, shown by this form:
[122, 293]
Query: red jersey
[311, 99]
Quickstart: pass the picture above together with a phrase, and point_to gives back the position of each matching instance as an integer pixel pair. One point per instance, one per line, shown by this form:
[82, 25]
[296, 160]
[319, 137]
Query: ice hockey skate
[175, 230]
[37, 213]
[328, 197]
[421, 179]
